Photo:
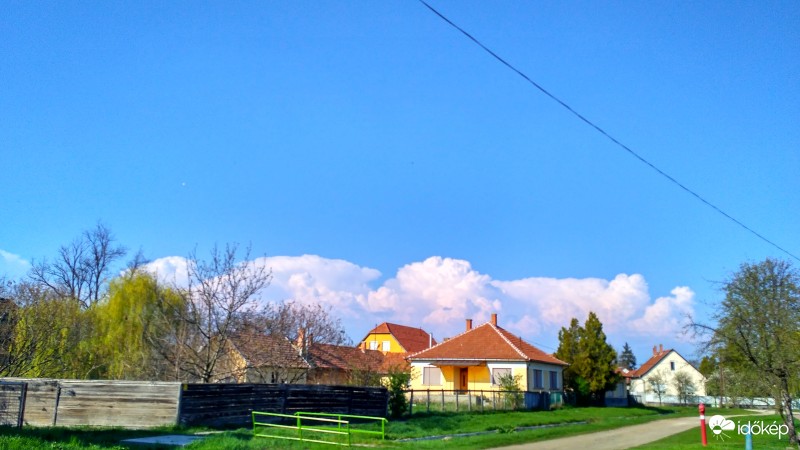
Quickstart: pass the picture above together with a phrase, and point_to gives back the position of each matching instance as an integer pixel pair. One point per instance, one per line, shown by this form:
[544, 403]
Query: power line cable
[604, 133]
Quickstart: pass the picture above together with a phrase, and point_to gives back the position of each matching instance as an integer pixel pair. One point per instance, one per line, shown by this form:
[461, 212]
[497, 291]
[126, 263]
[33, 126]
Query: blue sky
[387, 166]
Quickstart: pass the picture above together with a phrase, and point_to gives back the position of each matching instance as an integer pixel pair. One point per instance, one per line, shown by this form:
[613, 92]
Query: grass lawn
[501, 424]
[691, 439]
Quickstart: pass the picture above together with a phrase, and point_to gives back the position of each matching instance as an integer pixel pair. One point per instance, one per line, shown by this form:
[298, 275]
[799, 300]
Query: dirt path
[620, 438]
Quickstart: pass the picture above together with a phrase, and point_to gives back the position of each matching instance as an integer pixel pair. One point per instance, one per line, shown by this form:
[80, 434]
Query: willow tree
[130, 325]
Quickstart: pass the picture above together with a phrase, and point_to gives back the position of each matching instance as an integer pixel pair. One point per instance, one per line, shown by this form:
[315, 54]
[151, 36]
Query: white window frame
[386, 346]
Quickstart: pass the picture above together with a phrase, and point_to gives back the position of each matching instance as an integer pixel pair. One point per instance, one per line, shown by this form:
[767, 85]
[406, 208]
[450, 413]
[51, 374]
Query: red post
[703, 436]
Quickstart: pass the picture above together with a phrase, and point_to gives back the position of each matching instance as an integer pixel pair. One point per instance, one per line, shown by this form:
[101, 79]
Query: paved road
[618, 439]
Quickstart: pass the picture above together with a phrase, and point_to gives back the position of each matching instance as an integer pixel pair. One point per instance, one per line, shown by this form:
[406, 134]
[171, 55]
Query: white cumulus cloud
[13, 266]
[438, 293]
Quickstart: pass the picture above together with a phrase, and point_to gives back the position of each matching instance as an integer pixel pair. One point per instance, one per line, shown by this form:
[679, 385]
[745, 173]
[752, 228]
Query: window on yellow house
[387, 346]
[373, 345]
[499, 372]
[431, 376]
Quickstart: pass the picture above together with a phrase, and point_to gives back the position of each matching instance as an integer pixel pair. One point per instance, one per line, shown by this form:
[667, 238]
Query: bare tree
[220, 291]
[657, 384]
[684, 386]
[82, 268]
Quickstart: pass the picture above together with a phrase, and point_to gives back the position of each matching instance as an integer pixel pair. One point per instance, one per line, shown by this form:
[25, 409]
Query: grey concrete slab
[178, 440]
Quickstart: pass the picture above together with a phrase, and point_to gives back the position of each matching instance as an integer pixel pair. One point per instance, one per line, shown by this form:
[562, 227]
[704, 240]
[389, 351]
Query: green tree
[49, 338]
[397, 385]
[510, 386]
[592, 370]
[627, 359]
[758, 328]
[568, 351]
[130, 326]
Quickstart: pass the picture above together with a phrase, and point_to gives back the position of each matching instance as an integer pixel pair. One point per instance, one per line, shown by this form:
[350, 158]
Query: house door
[464, 378]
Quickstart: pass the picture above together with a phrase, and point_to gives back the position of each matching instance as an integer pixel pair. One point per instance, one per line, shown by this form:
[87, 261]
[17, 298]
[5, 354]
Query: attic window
[672, 366]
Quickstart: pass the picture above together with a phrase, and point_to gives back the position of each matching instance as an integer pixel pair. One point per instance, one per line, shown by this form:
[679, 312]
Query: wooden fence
[129, 404]
[232, 404]
[141, 404]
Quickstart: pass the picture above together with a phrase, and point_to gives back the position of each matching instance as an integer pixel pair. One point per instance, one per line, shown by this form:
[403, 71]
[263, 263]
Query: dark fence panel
[232, 404]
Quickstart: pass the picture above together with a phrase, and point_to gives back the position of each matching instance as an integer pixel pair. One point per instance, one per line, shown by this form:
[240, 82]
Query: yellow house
[477, 358]
[394, 338]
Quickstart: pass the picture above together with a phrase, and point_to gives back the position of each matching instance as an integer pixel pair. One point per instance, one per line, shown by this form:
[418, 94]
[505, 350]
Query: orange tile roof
[650, 363]
[410, 338]
[486, 342]
[392, 361]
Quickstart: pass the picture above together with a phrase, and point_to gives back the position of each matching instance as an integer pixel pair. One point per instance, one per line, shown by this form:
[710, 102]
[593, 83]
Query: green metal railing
[383, 421]
[300, 428]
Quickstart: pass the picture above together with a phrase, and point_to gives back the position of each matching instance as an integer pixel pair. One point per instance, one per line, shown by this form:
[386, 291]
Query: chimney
[655, 350]
[301, 341]
[469, 324]
[660, 348]
[494, 319]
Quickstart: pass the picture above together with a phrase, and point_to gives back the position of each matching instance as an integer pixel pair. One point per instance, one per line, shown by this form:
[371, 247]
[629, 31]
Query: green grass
[691, 439]
[501, 424]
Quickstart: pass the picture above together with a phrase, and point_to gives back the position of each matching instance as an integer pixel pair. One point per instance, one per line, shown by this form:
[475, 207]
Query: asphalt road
[620, 438]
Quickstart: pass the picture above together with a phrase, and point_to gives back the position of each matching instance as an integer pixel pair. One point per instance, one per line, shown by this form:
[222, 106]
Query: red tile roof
[328, 356]
[486, 343]
[410, 338]
[260, 350]
[650, 363]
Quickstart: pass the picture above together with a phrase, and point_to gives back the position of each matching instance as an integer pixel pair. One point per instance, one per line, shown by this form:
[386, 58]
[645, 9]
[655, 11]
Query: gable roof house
[344, 365]
[394, 338]
[475, 359]
[252, 357]
[664, 364]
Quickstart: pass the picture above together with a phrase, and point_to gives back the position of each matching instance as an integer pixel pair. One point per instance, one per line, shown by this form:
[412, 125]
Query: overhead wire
[606, 134]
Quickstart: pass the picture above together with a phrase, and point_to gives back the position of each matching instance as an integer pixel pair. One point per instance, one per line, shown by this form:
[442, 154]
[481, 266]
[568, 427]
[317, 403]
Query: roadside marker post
[748, 439]
[703, 436]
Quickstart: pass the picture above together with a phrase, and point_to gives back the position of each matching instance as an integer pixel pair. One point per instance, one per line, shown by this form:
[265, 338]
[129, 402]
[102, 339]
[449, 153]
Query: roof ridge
[508, 341]
[410, 355]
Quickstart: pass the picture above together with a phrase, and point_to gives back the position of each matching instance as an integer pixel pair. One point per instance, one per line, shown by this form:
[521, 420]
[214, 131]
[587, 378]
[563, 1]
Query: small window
[672, 365]
[373, 345]
[553, 379]
[538, 379]
[387, 346]
[499, 372]
[431, 376]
